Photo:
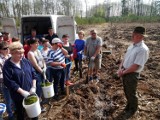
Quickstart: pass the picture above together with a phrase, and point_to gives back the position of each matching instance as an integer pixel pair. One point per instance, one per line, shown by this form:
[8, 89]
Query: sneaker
[96, 79]
[43, 109]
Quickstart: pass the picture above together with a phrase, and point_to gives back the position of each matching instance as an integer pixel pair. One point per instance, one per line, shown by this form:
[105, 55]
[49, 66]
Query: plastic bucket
[48, 91]
[32, 110]
[2, 108]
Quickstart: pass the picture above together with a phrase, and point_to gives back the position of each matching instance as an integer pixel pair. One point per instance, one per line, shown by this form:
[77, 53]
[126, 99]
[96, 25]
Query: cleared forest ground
[106, 100]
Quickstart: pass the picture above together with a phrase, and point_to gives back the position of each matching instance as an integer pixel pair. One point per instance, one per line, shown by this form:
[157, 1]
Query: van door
[65, 25]
[9, 25]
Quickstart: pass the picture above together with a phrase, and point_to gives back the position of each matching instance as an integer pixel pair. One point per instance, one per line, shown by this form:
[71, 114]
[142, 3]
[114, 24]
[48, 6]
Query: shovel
[87, 77]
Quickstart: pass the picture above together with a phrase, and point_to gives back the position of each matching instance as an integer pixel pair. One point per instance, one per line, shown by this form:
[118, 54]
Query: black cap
[65, 35]
[140, 30]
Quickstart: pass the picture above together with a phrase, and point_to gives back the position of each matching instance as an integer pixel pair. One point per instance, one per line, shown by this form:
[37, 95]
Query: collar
[138, 44]
[2, 56]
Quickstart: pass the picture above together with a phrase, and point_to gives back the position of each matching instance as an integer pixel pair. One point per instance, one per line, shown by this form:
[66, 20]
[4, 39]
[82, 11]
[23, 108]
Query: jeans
[67, 71]
[8, 100]
[58, 75]
[38, 84]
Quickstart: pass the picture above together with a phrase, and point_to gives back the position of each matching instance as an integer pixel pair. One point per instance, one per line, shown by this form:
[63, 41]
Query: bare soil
[105, 100]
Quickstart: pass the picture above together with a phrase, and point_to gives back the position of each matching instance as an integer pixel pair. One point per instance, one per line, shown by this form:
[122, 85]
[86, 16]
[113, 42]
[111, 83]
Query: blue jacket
[79, 46]
[15, 77]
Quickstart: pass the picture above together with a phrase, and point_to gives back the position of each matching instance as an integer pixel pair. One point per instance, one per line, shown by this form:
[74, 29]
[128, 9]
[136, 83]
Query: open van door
[66, 25]
[9, 25]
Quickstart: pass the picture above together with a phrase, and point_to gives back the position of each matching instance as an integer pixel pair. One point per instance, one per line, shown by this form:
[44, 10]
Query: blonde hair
[81, 32]
[16, 47]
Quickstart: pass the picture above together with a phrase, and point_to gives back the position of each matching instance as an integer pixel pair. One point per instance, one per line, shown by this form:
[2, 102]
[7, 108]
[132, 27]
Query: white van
[9, 25]
[61, 25]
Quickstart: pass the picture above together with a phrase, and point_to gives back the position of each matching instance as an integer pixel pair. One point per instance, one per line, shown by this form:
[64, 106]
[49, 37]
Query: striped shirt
[56, 56]
[2, 60]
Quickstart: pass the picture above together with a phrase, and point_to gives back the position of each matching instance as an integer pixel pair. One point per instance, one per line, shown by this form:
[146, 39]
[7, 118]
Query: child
[78, 50]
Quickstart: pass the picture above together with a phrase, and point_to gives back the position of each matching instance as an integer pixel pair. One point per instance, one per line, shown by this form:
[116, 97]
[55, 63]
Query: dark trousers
[20, 111]
[58, 75]
[78, 66]
[130, 86]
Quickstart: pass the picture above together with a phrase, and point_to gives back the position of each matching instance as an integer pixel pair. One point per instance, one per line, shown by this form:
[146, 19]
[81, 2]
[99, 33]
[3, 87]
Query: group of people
[23, 67]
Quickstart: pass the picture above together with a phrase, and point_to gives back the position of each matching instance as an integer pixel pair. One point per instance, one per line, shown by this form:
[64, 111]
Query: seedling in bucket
[47, 88]
[32, 105]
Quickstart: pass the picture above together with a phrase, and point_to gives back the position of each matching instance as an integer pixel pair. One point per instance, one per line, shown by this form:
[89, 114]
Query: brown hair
[32, 41]
[44, 41]
[15, 39]
[3, 44]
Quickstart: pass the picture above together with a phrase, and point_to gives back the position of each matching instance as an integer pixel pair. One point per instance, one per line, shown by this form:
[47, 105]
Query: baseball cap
[56, 40]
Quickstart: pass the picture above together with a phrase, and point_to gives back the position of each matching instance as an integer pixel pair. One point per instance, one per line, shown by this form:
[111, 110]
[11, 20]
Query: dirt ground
[105, 100]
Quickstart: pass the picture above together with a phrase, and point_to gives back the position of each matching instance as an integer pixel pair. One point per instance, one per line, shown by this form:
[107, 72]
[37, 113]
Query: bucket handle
[45, 78]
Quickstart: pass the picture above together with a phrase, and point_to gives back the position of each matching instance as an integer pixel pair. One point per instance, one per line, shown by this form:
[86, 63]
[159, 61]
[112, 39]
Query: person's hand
[25, 94]
[84, 57]
[120, 72]
[43, 71]
[92, 58]
[63, 65]
[59, 45]
[80, 52]
[71, 57]
[32, 90]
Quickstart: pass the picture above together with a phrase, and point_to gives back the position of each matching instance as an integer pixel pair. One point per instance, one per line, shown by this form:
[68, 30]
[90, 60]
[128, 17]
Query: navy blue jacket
[15, 77]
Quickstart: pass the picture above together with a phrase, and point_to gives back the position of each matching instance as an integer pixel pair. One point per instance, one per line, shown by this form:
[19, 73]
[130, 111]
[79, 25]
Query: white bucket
[32, 110]
[48, 91]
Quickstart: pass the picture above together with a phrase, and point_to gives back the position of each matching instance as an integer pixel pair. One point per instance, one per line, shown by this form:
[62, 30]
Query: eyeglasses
[5, 48]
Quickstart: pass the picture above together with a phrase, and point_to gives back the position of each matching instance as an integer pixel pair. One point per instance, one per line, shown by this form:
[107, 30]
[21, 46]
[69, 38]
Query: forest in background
[84, 13]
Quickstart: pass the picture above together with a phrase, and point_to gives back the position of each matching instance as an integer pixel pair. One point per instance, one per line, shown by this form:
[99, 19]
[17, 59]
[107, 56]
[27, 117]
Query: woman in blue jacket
[19, 77]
